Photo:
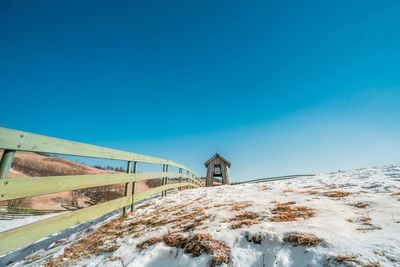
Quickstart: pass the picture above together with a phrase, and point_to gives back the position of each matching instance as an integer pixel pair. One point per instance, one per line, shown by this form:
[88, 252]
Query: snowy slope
[349, 218]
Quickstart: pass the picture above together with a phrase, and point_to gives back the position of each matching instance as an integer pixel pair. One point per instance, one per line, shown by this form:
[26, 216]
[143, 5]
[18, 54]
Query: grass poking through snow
[285, 212]
[195, 245]
[303, 240]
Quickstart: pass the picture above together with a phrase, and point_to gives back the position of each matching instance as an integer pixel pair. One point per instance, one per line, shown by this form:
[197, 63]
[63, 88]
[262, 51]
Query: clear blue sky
[277, 87]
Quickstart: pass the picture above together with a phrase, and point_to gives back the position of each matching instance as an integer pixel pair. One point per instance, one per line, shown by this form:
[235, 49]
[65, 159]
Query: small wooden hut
[217, 166]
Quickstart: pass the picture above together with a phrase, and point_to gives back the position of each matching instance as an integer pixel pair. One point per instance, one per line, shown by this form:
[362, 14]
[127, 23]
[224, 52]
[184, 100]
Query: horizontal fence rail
[277, 178]
[12, 141]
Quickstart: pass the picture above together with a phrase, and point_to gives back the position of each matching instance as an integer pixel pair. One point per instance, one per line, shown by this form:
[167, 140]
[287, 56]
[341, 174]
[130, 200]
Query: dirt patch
[303, 240]
[285, 212]
[395, 194]
[195, 245]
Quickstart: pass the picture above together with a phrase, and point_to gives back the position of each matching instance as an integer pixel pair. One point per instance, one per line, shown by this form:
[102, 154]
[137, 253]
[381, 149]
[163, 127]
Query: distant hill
[30, 164]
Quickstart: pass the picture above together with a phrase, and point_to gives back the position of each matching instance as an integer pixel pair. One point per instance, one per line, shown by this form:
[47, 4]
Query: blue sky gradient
[277, 87]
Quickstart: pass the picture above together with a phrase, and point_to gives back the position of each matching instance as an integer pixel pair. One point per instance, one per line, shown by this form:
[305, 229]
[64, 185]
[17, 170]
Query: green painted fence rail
[12, 141]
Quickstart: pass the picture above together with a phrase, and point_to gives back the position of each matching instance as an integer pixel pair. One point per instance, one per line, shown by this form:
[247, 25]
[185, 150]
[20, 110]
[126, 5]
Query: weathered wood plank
[33, 186]
[19, 140]
[156, 190]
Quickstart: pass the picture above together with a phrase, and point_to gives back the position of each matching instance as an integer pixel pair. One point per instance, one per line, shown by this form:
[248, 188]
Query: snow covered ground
[9, 224]
[349, 218]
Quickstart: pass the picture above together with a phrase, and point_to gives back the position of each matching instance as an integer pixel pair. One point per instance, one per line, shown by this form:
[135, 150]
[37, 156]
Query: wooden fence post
[180, 178]
[6, 161]
[187, 179]
[166, 180]
[134, 187]
[163, 180]
[128, 170]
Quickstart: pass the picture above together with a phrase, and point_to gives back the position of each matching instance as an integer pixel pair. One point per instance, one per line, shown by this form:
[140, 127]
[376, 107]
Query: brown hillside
[29, 164]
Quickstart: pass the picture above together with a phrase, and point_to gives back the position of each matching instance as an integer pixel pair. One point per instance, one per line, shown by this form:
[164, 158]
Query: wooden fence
[12, 141]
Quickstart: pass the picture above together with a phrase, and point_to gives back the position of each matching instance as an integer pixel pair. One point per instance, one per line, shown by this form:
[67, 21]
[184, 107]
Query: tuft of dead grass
[338, 194]
[195, 245]
[303, 240]
[239, 207]
[359, 205]
[244, 219]
[284, 212]
[366, 224]
[242, 223]
[195, 224]
[351, 260]
[266, 188]
[255, 238]
[345, 259]
[311, 192]
[395, 194]
[145, 205]
[288, 190]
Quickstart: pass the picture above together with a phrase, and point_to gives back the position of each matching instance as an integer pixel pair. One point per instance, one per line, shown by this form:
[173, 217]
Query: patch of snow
[14, 223]
[336, 222]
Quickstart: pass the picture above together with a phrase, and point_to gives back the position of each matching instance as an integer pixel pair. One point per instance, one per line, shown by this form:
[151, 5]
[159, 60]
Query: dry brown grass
[266, 188]
[242, 223]
[244, 219]
[303, 240]
[239, 207]
[151, 183]
[366, 224]
[145, 205]
[338, 194]
[104, 240]
[195, 245]
[284, 212]
[120, 259]
[311, 192]
[345, 259]
[395, 194]
[288, 190]
[359, 205]
[352, 260]
[382, 254]
[197, 222]
[255, 238]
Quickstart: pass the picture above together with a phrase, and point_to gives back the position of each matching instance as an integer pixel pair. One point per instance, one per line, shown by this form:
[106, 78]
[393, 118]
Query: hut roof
[219, 156]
